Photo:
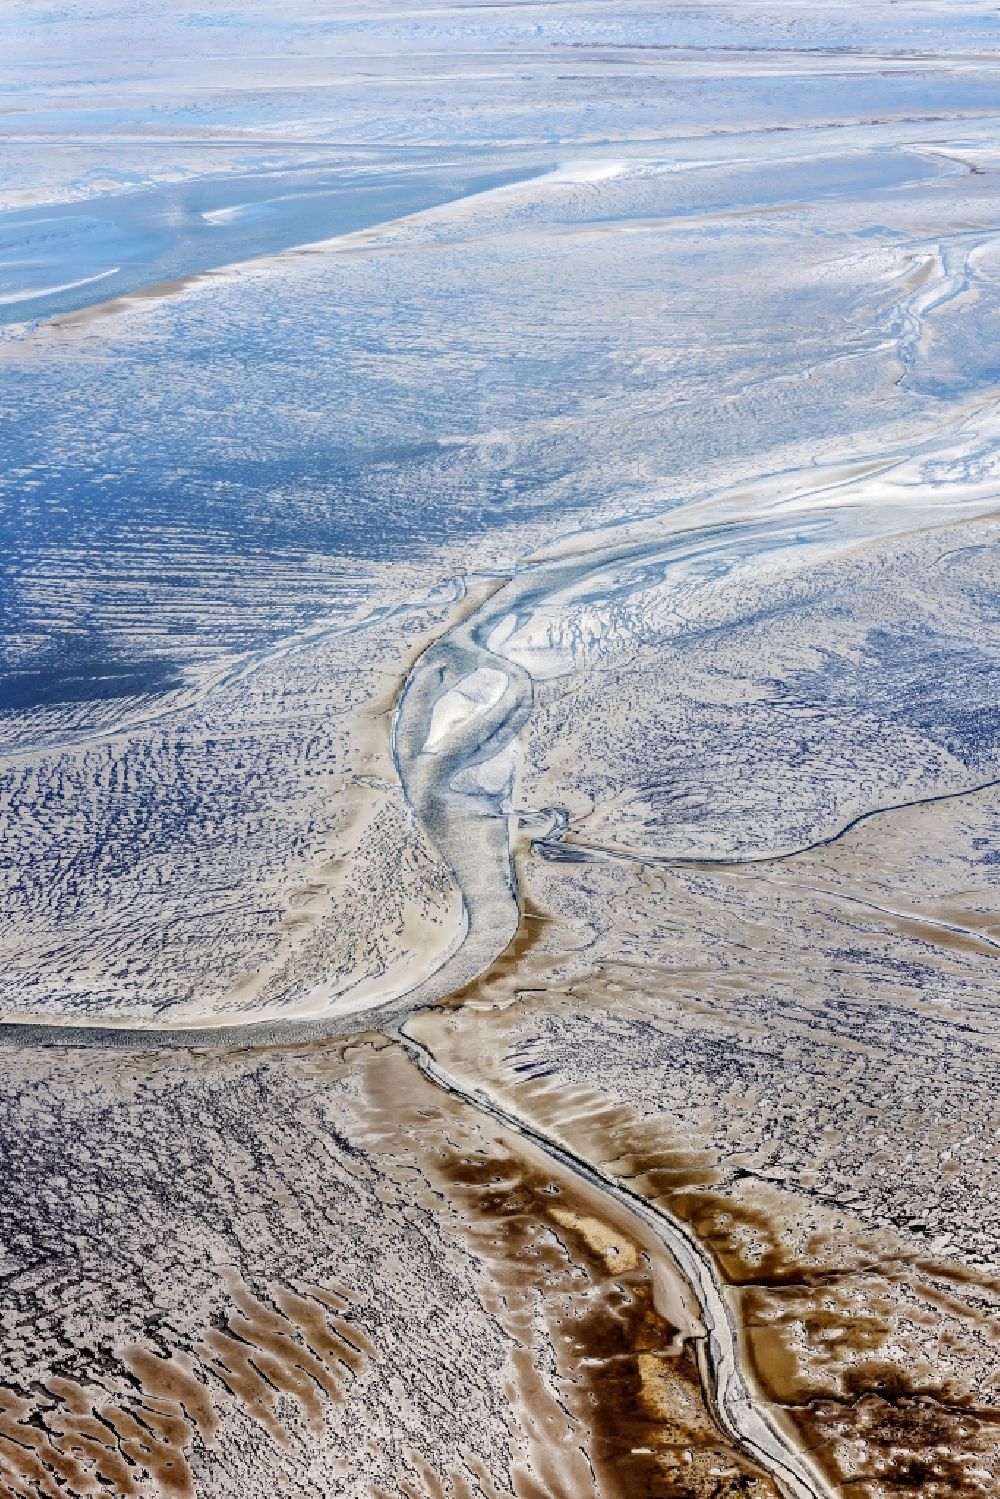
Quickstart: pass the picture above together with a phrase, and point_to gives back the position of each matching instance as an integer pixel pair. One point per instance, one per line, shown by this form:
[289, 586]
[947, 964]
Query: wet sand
[498, 755]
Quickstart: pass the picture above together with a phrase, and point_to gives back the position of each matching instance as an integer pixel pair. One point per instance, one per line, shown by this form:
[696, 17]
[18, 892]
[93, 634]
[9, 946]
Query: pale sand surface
[499, 810]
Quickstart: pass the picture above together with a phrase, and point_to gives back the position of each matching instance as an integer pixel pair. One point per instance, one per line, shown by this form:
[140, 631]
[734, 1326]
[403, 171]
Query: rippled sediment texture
[499, 787]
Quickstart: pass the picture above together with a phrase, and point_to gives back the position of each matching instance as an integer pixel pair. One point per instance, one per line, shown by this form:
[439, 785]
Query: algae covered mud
[499, 750]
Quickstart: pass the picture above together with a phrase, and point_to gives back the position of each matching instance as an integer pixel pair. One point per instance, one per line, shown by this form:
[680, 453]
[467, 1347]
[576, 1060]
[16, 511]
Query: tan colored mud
[881, 1357]
[68, 1438]
[563, 1263]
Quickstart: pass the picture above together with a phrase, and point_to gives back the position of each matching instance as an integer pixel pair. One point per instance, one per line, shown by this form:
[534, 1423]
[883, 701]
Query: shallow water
[563, 272]
[499, 664]
[69, 256]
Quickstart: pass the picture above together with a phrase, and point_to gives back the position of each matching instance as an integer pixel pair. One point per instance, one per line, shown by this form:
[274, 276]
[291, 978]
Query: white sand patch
[557, 637]
[32, 294]
[501, 632]
[493, 776]
[239, 213]
[475, 694]
[587, 171]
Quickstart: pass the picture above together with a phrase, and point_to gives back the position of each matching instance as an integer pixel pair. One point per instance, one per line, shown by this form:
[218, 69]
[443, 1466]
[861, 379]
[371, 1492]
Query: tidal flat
[500, 750]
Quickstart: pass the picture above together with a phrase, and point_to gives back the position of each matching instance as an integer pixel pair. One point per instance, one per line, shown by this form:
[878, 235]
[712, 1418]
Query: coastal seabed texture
[499, 754]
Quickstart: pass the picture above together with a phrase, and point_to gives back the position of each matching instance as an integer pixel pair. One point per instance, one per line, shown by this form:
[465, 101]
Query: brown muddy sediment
[507, 972]
[814, 1332]
[277, 1359]
[820, 1318]
[621, 1326]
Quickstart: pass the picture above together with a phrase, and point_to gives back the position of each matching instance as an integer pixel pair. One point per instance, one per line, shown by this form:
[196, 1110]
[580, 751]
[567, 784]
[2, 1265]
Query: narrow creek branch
[740, 1414]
